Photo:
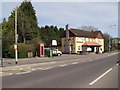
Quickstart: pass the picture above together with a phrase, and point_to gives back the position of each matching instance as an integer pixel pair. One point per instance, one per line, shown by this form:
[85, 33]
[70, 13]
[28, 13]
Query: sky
[103, 15]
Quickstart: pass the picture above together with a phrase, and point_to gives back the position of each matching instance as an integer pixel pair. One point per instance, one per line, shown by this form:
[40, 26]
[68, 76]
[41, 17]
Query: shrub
[11, 52]
[22, 50]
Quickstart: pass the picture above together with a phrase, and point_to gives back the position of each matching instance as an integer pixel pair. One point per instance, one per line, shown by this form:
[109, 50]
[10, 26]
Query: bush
[11, 52]
[22, 50]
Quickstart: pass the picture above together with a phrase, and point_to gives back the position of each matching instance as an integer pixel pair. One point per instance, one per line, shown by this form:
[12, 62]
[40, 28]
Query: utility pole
[16, 37]
[109, 42]
[109, 36]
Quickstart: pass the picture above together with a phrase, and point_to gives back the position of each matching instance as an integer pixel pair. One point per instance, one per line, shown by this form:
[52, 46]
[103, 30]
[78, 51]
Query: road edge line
[93, 82]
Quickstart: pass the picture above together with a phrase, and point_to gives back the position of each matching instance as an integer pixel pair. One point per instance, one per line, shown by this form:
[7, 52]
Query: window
[78, 47]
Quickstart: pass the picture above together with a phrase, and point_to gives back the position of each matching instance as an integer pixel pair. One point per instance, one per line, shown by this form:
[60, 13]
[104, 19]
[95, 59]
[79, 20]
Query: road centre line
[23, 73]
[39, 68]
[75, 63]
[46, 68]
[34, 69]
[10, 74]
[93, 82]
[21, 68]
[63, 65]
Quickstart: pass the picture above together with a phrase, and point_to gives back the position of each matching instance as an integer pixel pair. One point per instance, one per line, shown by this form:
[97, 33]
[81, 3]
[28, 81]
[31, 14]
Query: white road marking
[10, 74]
[93, 82]
[46, 68]
[23, 73]
[21, 68]
[33, 69]
[39, 68]
[63, 65]
[90, 60]
[75, 63]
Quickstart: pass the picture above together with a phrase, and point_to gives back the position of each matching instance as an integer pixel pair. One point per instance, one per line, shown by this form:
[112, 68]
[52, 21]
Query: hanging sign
[15, 46]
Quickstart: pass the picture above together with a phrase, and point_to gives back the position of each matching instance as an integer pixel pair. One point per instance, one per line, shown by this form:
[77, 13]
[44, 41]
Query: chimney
[67, 26]
[67, 42]
[67, 31]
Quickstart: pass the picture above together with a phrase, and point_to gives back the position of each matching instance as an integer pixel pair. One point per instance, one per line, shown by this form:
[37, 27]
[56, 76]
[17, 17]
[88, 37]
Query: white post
[16, 37]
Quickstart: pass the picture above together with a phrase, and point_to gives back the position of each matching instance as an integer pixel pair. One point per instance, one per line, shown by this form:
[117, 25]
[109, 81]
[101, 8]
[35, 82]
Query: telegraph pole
[109, 36]
[16, 37]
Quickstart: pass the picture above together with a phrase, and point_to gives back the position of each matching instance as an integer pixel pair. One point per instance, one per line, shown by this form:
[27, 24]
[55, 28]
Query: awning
[91, 44]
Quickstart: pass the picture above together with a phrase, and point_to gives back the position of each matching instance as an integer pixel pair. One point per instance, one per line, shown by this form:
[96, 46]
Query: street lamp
[109, 35]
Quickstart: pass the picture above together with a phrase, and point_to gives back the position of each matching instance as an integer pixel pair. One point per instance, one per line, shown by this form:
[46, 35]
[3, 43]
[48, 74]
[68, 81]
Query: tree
[7, 35]
[106, 41]
[27, 22]
[49, 33]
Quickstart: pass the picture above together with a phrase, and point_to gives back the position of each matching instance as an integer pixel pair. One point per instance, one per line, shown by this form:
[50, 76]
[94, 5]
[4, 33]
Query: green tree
[27, 22]
[106, 41]
[7, 35]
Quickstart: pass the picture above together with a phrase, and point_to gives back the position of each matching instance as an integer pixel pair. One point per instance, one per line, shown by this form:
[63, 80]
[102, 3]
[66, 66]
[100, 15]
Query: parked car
[56, 52]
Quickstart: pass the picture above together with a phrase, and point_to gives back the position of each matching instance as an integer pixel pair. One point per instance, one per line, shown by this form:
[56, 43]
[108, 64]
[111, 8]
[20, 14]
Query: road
[99, 73]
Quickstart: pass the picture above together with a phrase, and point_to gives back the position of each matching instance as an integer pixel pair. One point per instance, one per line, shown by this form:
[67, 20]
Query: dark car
[118, 62]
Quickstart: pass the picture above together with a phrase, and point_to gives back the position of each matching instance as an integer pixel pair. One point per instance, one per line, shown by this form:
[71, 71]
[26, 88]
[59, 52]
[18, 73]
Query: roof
[83, 33]
[91, 44]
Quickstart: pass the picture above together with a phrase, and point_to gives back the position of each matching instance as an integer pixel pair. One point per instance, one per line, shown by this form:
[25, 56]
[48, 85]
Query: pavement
[84, 72]
[11, 62]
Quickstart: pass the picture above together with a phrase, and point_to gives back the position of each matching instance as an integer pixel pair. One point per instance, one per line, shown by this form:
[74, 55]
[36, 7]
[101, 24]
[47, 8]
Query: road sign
[54, 42]
[15, 47]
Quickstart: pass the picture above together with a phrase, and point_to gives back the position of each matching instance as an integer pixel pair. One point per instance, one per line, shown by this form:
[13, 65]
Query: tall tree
[7, 35]
[106, 41]
[27, 22]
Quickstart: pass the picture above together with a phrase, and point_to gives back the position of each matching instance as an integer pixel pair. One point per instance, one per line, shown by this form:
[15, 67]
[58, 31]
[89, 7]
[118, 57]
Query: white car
[57, 52]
